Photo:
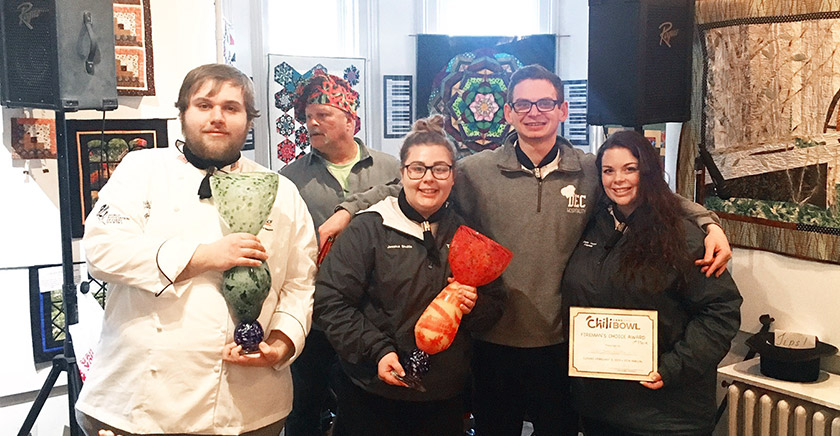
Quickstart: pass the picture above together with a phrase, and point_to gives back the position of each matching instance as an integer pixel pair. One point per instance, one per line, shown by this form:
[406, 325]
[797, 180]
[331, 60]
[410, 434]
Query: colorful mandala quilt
[466, 80]
[470, 93]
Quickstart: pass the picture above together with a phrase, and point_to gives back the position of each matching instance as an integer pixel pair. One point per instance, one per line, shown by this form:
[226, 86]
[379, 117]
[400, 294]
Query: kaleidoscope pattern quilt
[466, 80]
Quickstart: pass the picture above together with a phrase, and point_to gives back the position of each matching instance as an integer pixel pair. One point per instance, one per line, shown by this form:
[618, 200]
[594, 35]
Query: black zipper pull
[538, 175]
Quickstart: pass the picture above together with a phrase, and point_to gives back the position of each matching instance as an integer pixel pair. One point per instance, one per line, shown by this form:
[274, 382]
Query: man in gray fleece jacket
[533, 195]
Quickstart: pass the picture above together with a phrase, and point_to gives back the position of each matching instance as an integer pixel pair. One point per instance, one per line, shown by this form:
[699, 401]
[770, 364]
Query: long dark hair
[656, 237]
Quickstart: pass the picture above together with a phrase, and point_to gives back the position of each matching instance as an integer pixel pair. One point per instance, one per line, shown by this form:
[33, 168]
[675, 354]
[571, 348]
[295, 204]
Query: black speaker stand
[65, 362]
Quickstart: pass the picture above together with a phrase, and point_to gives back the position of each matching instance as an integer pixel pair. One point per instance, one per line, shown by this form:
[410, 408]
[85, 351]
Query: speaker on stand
[59, 55]
[640, 61]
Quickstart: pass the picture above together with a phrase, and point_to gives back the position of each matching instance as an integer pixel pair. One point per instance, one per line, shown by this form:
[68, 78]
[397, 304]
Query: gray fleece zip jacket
[537, 214]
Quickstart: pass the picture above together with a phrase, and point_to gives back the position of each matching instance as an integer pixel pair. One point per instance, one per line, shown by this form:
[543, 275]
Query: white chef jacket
[158, 366]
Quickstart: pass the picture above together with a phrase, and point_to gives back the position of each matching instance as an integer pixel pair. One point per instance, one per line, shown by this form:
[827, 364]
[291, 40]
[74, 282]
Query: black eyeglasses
[416, 170]
[543, 105]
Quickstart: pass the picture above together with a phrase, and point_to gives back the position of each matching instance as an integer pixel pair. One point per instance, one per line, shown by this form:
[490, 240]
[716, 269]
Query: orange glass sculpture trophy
[475, 260]
[244, 201]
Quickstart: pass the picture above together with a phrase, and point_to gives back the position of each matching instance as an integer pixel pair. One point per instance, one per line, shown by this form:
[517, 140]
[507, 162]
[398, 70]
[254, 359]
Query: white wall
[801, 295]
[396, 53]
[183, 37]
[572, 24]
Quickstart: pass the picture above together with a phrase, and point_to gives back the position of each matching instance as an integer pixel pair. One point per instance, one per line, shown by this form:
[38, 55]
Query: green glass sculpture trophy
[244, 201]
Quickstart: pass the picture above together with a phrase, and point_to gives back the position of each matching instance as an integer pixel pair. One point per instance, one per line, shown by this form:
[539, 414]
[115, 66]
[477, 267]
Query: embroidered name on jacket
[399, 246]
[577, 202]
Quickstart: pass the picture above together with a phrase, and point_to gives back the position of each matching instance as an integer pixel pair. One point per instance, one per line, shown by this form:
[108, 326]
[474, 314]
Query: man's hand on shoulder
[236, 249]
[333, 226]
[718, 252]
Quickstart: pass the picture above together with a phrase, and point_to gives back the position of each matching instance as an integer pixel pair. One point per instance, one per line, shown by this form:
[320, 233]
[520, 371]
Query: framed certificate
[615, 344]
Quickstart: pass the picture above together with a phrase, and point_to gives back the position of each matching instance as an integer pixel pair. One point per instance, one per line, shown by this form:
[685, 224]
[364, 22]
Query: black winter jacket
[698, 317]
[375, 284]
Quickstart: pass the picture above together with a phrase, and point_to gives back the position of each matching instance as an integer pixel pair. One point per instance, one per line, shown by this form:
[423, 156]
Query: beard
[219, 149]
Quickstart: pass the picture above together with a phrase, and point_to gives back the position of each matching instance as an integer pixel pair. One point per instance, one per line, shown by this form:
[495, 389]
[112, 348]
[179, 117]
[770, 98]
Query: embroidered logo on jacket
[107, 217]
[577, 202]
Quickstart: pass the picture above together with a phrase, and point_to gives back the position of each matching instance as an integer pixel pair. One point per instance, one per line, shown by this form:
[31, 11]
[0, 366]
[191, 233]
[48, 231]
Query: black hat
[797, 365]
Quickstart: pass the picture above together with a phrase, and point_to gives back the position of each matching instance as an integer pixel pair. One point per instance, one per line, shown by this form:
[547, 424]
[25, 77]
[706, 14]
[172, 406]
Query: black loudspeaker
[58, 54]
[640, 61]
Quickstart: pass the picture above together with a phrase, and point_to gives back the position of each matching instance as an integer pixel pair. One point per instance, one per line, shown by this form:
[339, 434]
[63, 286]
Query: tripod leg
[74, 385]
[41, 399]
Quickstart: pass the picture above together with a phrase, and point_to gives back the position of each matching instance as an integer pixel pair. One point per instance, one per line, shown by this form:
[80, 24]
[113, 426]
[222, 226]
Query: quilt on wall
[97, 150]
[33, 138]
[771, 123]
[133, 47]
[289, 138]
[466, 78]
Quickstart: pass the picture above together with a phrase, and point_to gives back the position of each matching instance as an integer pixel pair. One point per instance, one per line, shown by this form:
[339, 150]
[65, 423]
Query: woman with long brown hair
[637, 253]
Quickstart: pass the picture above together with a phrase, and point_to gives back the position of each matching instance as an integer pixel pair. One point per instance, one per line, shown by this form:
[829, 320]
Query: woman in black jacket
[380, 275]
[637, 253]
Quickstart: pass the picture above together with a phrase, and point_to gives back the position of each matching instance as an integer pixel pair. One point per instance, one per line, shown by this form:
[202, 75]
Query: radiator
[759, 412]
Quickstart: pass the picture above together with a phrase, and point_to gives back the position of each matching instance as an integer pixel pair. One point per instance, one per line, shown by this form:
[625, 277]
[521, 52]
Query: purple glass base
[411, 380]
[248, 335]
[416, 365]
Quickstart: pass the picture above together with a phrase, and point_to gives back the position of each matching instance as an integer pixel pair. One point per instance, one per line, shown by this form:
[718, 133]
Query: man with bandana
[339, 165]
[166, 362]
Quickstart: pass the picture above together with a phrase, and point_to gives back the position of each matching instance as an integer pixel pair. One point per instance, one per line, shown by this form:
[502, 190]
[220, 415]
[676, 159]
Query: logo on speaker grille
[666, 32]
[28, 12]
